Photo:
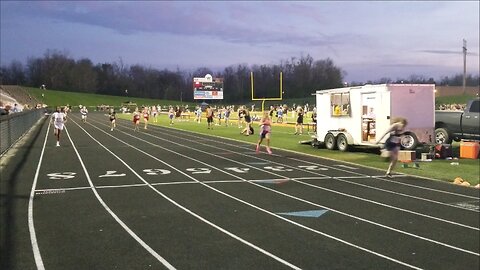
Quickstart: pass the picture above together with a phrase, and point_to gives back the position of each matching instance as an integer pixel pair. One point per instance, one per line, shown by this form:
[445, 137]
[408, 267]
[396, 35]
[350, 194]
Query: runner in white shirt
[58, 119]
[84, 113]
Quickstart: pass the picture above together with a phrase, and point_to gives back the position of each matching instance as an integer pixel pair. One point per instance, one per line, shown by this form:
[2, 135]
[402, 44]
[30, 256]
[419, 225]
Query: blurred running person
[145, 114]
[113, 118]
[58, 119]
[265, 131]
[392, 144]
[84, 113]
[136, 120]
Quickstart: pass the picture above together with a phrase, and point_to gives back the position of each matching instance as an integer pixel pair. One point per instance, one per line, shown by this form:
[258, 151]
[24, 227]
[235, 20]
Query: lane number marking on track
[61, 175]
[237, 170]
[112, 174]
[156, 171]
[199, 170]
[278, 168]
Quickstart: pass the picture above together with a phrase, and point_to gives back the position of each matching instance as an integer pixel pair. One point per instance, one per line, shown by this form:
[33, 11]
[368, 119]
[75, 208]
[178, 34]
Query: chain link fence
[14, 126]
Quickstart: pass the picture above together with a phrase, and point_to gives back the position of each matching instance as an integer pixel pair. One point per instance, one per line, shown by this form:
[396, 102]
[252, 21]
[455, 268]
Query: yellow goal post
[280, 97]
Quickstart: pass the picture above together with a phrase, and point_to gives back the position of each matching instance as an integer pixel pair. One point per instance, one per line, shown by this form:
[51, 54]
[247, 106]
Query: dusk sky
[368, 40]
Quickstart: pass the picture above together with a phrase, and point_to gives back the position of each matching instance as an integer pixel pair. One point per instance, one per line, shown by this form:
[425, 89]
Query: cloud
[239, 23]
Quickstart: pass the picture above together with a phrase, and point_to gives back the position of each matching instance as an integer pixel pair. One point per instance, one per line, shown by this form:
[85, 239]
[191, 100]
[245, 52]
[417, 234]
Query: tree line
[301, 76]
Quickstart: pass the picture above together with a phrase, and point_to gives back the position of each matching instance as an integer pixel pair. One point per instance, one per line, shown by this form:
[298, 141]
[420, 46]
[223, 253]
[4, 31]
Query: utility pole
[464, 65]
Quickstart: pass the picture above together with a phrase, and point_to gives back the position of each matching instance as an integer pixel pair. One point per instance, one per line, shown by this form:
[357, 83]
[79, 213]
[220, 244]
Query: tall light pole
[464, 65]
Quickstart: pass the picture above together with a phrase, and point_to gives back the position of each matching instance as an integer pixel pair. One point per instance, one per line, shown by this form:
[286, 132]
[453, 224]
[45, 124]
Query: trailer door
[369, 112]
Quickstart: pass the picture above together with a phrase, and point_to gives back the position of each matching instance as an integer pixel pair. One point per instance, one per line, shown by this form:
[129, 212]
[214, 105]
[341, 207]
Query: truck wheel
[342, 143]
[409, 141]
[442, 137]
[330, 141]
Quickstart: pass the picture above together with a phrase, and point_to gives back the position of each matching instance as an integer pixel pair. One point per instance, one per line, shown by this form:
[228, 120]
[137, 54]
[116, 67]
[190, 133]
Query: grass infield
[283, 137]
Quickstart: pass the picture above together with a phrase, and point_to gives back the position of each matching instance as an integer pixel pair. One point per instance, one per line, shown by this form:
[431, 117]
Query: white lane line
[396, 182]
[121, 186]
[300, 199]
[179, 205]
[338, 192]
[119, 221]
[31, 225]
[254, 206]
[308, 162]
[66, 189]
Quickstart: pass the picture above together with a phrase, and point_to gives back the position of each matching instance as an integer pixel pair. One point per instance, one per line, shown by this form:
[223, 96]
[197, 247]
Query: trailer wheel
[409, 141]
[330, 141]
[342, 143]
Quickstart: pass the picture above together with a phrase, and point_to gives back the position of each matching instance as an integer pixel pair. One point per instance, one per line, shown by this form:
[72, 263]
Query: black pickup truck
[458, 125]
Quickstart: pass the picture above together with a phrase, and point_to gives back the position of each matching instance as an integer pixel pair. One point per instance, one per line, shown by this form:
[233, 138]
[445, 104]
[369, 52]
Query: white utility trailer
[359, 115]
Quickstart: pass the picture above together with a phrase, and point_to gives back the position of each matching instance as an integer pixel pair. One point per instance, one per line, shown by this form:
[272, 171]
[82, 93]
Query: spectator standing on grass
[227, 115]
[241, 114]
[198, 114]
[113, 119]
[279, 114]
[314, 119]
[392, 144]
[59, 118]
[299, 124]
[84, 112]
[209, 113]
[265, 131]
[154, 113]
[171, 114]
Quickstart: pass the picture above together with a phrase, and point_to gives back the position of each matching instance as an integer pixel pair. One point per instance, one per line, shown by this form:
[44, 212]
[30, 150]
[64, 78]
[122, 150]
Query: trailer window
[340, 104]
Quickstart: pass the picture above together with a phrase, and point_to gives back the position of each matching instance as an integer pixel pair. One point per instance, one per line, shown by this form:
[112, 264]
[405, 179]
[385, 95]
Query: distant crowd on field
[452, 107]
[279, 112]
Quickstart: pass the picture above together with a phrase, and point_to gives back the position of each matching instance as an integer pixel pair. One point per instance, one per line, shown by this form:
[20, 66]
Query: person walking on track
[392, 144]
[113, 118]
[84, 113]
[145, 114]
[59, 118]
[136, 120]
[265, 131]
